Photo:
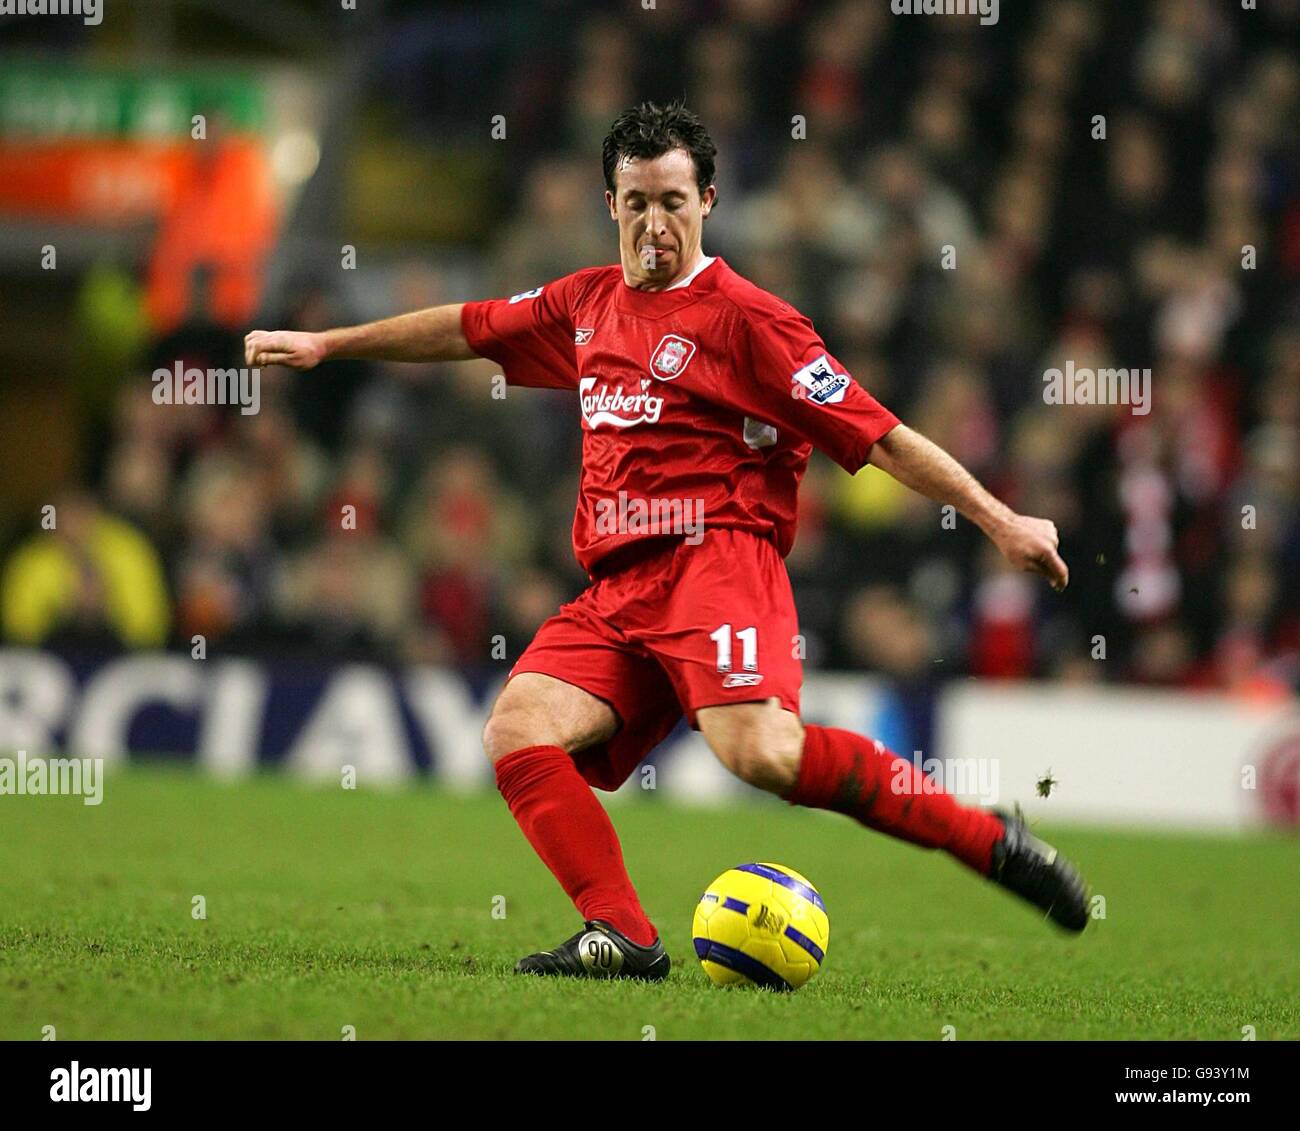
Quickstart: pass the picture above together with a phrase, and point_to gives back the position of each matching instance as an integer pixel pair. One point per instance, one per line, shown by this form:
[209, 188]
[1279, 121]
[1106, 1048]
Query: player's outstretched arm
[433, 334]
[1027, 543]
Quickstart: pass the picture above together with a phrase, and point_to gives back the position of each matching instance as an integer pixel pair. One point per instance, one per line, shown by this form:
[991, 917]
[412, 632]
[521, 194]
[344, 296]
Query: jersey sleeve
[796, 383]
[530, 335]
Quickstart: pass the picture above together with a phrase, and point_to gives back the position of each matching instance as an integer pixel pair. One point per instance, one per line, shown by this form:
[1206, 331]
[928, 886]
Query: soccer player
[701, 398]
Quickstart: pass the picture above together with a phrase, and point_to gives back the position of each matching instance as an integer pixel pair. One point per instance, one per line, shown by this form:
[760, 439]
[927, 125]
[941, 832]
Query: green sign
[50, 102]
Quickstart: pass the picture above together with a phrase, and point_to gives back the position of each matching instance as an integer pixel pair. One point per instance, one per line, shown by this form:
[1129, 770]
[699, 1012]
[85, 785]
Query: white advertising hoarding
[1127, 757]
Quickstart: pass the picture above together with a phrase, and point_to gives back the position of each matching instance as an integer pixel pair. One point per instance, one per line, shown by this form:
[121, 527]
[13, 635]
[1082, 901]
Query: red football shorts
[670, 628]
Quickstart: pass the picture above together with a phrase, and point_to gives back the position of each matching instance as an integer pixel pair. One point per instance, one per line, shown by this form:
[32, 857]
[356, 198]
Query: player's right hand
[293, 348]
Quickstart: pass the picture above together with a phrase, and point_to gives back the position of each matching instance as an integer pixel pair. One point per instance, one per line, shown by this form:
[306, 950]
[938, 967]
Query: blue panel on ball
[709, 951]
[785, 881]
[805, 942]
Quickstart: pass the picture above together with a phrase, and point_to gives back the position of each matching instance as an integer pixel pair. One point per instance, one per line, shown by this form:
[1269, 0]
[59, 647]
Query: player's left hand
[1031, 544]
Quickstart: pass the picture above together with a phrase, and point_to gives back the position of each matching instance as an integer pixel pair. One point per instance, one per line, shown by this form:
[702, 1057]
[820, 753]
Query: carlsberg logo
[617, 408]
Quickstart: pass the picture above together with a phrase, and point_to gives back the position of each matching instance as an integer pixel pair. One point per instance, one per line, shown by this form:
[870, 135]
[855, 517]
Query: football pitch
[400, 914]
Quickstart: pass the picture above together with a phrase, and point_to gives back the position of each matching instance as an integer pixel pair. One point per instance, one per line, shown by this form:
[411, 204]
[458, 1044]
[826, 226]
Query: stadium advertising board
[1107, 756]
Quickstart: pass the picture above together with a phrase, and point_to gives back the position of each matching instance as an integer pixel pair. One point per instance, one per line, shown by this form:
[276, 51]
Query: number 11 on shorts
[748, 638]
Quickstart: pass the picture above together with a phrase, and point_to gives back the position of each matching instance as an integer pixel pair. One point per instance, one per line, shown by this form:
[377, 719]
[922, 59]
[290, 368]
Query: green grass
[328, 908]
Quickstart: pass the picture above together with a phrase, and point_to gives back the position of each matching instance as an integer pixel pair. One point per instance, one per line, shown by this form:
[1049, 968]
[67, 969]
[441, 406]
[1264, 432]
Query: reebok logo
[738, 679]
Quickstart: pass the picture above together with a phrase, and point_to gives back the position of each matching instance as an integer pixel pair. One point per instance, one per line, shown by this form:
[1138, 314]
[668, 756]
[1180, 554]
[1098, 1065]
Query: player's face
[660, 215]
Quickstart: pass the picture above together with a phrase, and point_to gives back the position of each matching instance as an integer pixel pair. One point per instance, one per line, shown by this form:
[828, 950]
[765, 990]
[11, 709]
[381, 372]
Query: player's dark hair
[651, 130]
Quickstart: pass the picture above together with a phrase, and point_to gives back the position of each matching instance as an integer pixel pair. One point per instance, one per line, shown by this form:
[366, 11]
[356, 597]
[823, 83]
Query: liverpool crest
[671, 356]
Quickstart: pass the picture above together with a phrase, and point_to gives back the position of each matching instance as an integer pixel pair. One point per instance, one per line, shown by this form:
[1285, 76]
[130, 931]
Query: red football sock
[850, 774]
[570, 830]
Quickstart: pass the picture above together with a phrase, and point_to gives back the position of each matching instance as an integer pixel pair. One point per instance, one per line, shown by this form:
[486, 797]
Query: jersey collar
[653, 304]
[700, 266]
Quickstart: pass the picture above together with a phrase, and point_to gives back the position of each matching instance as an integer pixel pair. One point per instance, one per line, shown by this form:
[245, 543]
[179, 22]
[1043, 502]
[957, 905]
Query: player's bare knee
[535, 710]
[761, 747]
[508, 729]
[764, 765]
[515, 722]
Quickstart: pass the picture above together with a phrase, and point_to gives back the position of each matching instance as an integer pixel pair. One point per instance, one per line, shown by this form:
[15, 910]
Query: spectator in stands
[89, 579]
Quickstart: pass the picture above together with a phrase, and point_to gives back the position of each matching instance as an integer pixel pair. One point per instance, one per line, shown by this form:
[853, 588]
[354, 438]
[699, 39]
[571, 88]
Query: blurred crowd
[958, 208]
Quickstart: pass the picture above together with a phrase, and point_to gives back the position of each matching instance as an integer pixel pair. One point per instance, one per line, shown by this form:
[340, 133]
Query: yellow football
[761, 925]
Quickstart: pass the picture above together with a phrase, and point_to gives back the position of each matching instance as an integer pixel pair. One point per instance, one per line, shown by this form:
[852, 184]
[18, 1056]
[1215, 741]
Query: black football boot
[1036, 872]
[599, 951]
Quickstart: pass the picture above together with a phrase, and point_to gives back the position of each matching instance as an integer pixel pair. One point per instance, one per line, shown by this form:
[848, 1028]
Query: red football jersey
[700, 404]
